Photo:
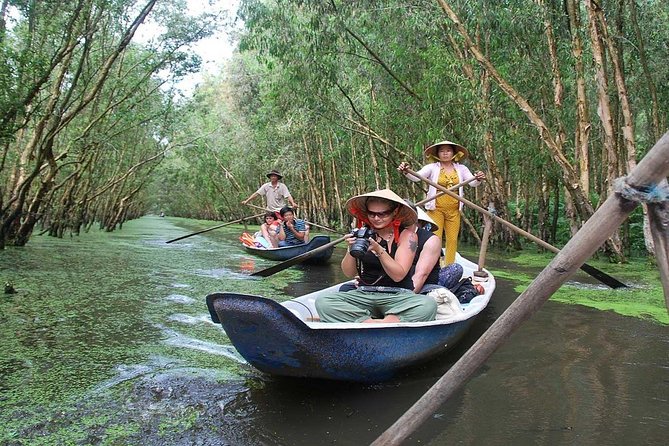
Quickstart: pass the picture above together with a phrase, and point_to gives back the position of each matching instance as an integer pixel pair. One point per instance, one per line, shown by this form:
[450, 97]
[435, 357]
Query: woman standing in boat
[380, 255]
[447, 172]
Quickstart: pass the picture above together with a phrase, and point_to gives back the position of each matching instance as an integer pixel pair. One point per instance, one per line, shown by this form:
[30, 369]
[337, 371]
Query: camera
[361, 243]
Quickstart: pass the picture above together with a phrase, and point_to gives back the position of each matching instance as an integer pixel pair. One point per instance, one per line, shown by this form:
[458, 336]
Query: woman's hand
[350, 239]
[403, 167]
[375, 247]
[480, 175]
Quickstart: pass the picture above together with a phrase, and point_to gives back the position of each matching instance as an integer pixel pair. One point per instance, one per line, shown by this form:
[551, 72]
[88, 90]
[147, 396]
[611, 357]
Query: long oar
[591, 270]
[295, 260]
[215, 227]
[310, 223]
[441, 192]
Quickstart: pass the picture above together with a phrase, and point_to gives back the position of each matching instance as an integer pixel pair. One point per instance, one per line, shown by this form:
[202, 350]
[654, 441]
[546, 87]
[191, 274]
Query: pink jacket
[431, 171]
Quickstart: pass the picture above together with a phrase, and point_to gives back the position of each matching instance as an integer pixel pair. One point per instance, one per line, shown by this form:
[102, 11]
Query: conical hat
[460, 152]
[422, 216]
[358, 205]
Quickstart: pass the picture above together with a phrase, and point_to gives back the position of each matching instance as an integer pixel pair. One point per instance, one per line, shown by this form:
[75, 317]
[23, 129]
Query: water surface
[108, 341]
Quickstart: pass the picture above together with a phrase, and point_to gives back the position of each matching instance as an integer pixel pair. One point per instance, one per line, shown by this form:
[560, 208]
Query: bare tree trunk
[311, 180]
[324, 205]
[357, 187]
[335, 183]
[657, 126]
[556, 212]
[583, 126]
[604, 111]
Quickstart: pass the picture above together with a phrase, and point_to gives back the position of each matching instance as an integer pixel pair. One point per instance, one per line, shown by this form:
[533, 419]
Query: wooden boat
[288, 252]
[287, 339]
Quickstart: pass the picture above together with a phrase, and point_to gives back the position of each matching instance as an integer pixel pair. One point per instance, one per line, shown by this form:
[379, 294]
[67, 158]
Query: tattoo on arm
[413, 244]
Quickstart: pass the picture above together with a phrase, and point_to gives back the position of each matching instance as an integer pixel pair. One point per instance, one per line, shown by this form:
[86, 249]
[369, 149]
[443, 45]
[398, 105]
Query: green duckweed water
[108, 341]
[643, 298]
[98, 319]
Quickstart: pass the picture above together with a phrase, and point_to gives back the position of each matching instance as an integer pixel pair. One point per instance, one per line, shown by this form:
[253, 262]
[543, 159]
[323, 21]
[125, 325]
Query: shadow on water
[109, 342]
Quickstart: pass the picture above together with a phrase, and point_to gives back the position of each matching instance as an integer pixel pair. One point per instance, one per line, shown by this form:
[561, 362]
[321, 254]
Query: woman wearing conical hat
[446, 171]
[382, 262]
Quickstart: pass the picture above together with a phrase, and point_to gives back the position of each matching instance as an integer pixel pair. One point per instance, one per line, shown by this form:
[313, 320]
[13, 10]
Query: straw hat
[460, 152]
[422, 216]
[274, 172]
[358, 205]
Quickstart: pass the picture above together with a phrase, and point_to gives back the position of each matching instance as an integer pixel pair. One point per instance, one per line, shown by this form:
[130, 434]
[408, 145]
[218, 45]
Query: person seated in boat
[270, 229]
[425, 267]
[380, 254]
[293, 230]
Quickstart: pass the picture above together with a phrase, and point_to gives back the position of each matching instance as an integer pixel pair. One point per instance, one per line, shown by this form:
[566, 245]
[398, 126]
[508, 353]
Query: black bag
[464, 290]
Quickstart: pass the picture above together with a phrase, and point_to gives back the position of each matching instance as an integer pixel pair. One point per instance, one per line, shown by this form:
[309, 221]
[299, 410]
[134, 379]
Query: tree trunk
[335, 182]
[604, 110]
[657, 125]
[583, 125]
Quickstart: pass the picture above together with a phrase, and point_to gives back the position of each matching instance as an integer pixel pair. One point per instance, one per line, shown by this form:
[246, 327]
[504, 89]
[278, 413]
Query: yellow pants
[448, 220]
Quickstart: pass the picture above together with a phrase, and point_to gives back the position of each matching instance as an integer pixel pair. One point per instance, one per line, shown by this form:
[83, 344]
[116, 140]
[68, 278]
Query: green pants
[357, 306]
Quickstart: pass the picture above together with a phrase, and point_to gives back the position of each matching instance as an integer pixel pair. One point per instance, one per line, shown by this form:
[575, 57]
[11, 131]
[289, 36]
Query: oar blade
[602, 276]
[295, 260]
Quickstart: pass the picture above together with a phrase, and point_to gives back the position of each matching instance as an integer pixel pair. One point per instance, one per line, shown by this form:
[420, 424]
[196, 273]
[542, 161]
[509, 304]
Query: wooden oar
[591, 270]
[215, 227]
[310, 223]
[295, 260]
[440, 193]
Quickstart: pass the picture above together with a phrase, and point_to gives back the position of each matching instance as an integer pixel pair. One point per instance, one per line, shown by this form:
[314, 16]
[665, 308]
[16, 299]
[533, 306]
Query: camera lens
[359, 248]
[361, 244]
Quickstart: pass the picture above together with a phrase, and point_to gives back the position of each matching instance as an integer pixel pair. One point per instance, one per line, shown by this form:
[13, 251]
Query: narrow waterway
[108, 341]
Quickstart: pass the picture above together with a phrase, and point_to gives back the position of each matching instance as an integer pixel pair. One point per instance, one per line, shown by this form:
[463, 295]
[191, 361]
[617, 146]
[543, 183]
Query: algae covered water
[108, 341]
[106, 328]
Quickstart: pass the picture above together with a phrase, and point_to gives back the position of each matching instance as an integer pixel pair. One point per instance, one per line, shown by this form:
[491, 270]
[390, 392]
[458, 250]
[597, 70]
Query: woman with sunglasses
[383, 266]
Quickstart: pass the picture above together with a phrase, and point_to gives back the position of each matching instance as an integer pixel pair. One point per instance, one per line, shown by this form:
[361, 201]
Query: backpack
[464, 290]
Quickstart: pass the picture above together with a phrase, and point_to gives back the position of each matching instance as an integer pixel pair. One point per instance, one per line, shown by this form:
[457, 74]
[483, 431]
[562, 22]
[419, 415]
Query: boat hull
[272, 339]
[288, 252]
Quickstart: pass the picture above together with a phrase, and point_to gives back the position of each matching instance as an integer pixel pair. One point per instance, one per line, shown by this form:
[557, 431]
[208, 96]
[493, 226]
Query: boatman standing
[275, 192]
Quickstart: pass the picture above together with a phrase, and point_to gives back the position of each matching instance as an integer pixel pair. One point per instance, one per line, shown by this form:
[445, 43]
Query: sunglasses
[382, 214]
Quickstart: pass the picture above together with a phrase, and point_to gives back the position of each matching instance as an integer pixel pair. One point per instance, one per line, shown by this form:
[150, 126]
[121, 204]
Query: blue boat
[287, 339]
[288, 252]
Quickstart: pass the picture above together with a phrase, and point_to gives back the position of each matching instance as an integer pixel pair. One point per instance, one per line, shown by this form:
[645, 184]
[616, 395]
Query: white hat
[422, 216]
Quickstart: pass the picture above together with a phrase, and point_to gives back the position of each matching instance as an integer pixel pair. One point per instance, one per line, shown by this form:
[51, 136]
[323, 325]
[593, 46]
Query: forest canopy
[554, 100]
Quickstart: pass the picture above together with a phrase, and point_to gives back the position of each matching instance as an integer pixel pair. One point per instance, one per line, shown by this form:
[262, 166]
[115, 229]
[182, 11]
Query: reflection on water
[109, 342]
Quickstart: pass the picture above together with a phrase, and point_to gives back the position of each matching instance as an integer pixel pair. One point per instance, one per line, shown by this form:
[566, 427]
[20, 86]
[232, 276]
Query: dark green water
[108, 341]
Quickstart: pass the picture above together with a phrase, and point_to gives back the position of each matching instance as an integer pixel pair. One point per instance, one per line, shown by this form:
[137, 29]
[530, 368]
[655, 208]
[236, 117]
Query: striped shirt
[299, 225]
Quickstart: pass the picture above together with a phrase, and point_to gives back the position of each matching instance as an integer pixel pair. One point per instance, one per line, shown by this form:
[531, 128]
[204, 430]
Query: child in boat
[270, 229]
[382, 261]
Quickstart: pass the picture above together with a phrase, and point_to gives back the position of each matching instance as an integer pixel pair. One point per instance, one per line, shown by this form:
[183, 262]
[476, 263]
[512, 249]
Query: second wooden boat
[288, 252]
